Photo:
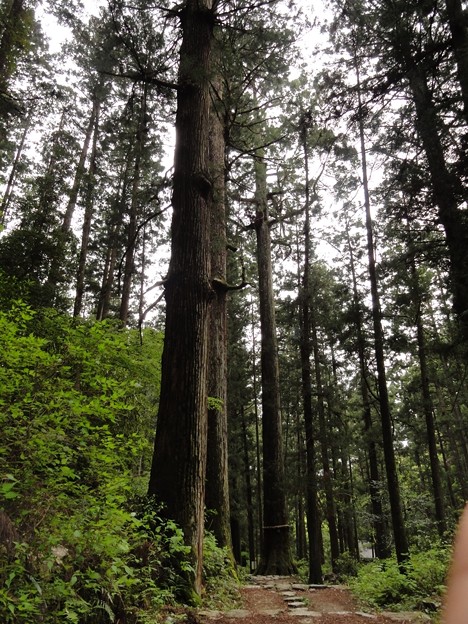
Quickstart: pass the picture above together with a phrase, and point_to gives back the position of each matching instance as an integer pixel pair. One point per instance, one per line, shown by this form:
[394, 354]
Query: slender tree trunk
[313, 515]
[381, 542]
[257, 439]
[178, 469]
[301, 539]
[142, 280]
[330, 507]
[115, 227]
[276, 554]
[14, 169]
[46, 206]
[80, 169]
[450, 491]
[352, 511]
[428, 407]
[88, 214]
[105, 293]
[217, 484]
[399, 531]
[65, 235]
[129, 265]
[249, 497]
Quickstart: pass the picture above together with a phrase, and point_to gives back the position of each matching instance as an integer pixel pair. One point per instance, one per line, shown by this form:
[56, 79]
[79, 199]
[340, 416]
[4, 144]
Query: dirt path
[281, 600]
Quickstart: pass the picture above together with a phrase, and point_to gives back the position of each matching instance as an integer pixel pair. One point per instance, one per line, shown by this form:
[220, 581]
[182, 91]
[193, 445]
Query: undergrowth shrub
[220, 577]
[77, 416]
[346, 565]
[381, 584]
[101, 563]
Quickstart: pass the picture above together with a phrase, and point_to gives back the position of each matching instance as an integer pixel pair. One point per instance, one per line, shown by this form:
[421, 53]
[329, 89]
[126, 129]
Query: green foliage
[216, 404]
[346, 565]
[303, 569]
[78, 406]
[220, 578]
[381, 584]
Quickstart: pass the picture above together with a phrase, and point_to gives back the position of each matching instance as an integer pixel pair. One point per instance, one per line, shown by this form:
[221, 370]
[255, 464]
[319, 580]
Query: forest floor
[282, 600]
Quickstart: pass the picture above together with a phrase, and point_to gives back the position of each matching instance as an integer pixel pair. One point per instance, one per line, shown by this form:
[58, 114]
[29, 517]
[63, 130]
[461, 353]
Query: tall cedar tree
[179, 462]
[444, 185]
[381, 546]
[399, 531]
[313, 515]
[276, 553]
[217, 489]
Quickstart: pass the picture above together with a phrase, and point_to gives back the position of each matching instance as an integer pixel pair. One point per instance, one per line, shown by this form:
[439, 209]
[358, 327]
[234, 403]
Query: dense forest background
[284, 301]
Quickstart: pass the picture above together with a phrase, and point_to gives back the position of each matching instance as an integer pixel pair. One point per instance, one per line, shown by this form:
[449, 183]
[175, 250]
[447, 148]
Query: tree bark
[330, 507]
[428, 407]
[14, 169]
[178, 469]
[313, 515]
[88, 214]
[301, 538]
[258, 453]
[276, 553]
[399, 531]
[129, 264]
[249, 497]
[114, 228]
[381, 543]
[445, 186]
[80, 169]
[217, 484]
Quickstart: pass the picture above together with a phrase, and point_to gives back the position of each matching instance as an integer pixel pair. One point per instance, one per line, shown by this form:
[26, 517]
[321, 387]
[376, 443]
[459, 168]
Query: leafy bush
[78, 408]
[381, 583]
[95, 565]
[220, 576]
[346, 565]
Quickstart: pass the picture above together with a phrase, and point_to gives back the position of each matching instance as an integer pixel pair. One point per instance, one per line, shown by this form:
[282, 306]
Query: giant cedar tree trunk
[399, 531]
[178, 469]
[276, 553]
[217, 484]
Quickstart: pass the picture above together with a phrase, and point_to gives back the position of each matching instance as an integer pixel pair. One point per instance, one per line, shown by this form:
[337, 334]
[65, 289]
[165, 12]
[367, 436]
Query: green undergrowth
[79, 541]
[221, 577]
[380, 584]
